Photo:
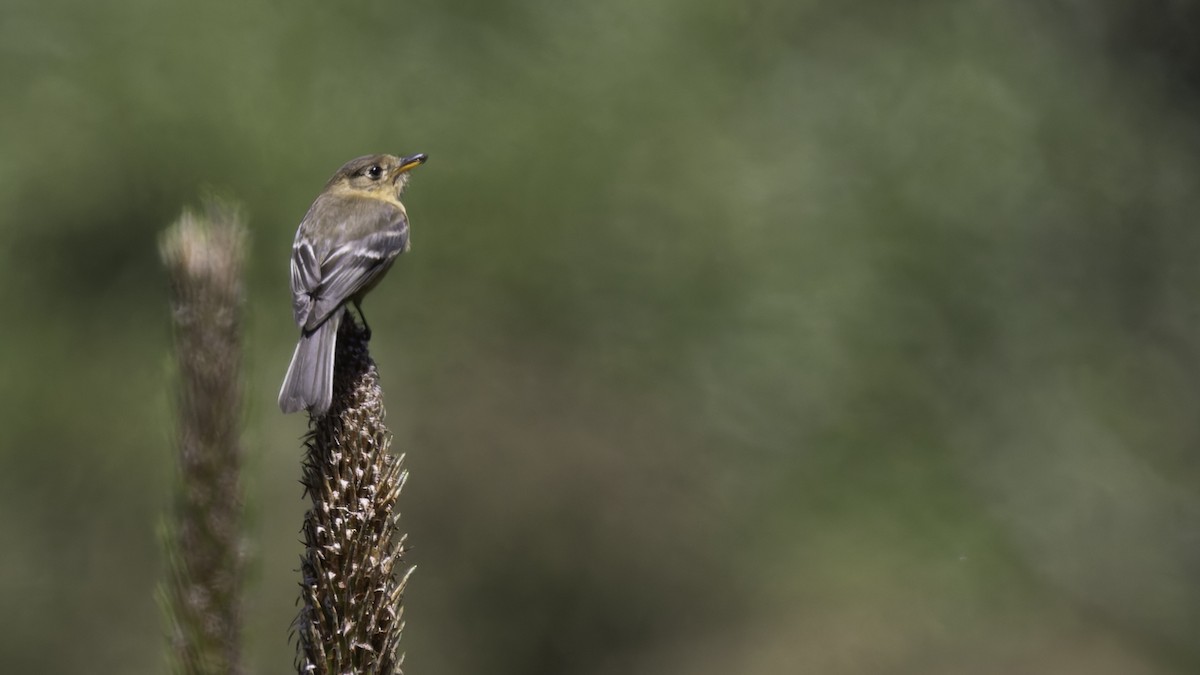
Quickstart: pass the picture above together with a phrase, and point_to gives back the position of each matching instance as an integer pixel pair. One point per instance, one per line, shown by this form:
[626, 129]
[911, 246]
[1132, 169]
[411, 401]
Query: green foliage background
[775, 336]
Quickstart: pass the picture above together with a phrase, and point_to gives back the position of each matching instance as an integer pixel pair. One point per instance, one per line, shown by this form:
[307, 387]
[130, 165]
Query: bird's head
[379, 176]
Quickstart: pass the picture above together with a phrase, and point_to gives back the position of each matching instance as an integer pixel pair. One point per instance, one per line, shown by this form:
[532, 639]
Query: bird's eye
[374, 172]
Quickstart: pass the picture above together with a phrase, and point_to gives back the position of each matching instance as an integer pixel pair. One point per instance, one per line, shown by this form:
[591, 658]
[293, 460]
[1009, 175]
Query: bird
[346, 243]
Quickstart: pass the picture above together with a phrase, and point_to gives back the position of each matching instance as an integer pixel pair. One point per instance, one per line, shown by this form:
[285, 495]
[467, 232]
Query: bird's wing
[306, 278]
[366, 250]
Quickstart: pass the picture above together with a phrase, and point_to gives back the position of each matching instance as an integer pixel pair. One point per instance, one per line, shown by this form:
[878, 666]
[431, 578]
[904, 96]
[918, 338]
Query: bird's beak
[412, 162]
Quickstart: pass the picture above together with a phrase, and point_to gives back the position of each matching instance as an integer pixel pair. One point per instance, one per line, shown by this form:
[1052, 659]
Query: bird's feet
[366, 328]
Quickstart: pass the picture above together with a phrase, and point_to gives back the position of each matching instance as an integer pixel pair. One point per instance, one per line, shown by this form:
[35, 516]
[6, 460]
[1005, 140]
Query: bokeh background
[778, 336]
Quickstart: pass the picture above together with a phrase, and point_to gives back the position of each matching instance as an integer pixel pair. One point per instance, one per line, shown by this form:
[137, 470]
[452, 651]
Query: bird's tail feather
[309, 380]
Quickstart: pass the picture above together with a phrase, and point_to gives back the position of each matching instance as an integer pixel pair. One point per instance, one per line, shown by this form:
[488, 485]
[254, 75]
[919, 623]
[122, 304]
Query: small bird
[347, 241]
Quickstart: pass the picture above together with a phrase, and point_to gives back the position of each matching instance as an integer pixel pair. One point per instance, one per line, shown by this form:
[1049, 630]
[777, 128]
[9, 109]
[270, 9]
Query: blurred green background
[779, 336]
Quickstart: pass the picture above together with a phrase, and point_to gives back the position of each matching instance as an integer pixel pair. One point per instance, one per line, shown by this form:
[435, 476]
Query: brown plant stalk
[353, 569]
[204, 255]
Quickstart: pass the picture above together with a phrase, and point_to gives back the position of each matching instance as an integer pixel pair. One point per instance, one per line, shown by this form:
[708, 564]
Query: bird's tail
[309, 380]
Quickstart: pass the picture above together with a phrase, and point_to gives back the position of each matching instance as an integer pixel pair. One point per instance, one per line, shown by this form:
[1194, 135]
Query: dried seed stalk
[204, 256]
[353, 569]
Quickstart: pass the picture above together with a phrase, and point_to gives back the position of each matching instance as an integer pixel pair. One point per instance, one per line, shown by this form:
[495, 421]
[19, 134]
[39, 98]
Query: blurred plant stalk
[204, 254]
[353, 582]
